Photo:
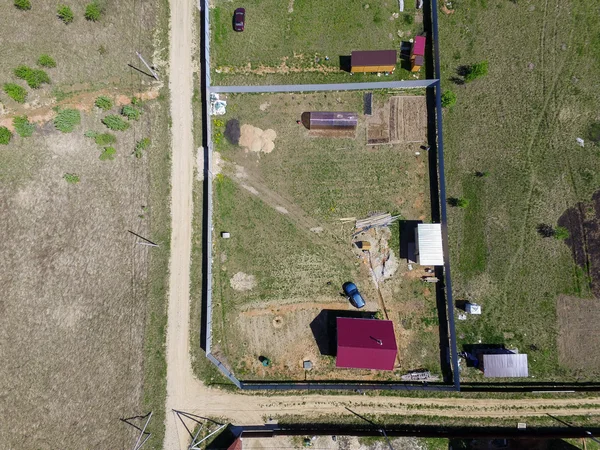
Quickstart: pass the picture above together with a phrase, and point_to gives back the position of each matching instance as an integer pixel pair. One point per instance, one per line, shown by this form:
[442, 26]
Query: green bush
[105, 139]
[23, 126]
[33, 77]
[104, 103]
[136, 101]
[5, 135]
[67, 120]
[71, 178]
[23, 4]
[46, 61]
[65, 13]
[408, 19]
[476, 70]
[108, 154]
[448, 99]
[141, 145]
[131, 112]
[16, 92]
[93, 11]
[561, 233]
[115, 123]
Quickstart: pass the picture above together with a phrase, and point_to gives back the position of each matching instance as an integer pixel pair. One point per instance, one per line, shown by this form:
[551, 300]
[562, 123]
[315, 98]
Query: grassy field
[83, 313]
[519, 123]
[290, 253]
[287, 40]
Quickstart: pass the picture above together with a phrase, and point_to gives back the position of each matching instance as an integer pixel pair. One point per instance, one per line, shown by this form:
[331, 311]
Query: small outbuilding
[373, 61]
[505, 365]
[429, 249]
[366, 344]
[324, 120]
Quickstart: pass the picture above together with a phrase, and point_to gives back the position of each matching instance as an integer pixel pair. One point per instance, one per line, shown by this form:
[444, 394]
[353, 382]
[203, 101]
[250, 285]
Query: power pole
[148, 66]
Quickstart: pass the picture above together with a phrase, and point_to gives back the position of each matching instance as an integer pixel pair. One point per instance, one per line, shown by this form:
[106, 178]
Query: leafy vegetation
[131, 112]
[34, 77]
[561, 233]
[103, 139]
[140, 146]
[93, 11]
[103, 102]
[108, 154]
[476, 70]
[23, 126]
[67, 119]
[448, 99]
[16, 92]
[5, 135]
[65, 14]
[115, 123]
[23, 4]
[46, 61]
[71, 178]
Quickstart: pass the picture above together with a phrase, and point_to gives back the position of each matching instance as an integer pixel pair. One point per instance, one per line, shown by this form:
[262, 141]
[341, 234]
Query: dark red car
[239, 19]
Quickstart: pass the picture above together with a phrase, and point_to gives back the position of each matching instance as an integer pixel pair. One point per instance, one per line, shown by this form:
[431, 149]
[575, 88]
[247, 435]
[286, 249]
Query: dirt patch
[264, 106]
[242, 282]
[257, 140]
[379, 257]
[583, 223]
[578, 338]
[400, 119]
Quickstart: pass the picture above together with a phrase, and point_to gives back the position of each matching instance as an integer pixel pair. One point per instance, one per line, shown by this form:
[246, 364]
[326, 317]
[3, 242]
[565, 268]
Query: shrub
[476, 70]
[448, 99]
[136, 101]
[67, 120]
[131, 112]
[23, 126]
[33, 77]
[141, 145]
[5, 135]
[460, 202]
[561, 233]
[108, 154]
[105, 139]
[65, 13]
[71, 178]
[23, 4]
[16, 92]
[104, 103]
[115, 123]
[93, 11]
[46, 61]
[408, 19]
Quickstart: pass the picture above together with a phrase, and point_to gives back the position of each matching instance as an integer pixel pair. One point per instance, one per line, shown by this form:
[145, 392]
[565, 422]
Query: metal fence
[402, 84]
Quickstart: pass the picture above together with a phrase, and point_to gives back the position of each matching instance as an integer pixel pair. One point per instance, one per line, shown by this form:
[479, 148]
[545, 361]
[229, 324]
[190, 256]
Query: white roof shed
[429, 244]
[506, 365]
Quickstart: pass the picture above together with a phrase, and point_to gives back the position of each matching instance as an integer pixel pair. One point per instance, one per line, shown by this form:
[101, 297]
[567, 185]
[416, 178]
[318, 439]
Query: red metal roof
[419, 46]
[366, 344]
[237, 445]
[373, 58]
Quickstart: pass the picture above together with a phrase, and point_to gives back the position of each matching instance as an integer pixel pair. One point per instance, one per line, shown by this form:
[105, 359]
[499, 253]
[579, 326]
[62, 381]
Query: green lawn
[300, 34]
[519, 123]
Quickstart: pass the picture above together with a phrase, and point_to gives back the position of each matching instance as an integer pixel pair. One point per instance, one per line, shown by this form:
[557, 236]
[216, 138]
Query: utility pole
[148, 66]
[380, 429]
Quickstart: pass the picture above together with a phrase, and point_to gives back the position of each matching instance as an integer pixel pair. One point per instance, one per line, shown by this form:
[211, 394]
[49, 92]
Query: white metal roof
[430, 244]
[505, 365]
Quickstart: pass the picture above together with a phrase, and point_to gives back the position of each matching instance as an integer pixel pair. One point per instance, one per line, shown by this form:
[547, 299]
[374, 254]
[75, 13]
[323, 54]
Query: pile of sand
[242, 282]
[257, 140]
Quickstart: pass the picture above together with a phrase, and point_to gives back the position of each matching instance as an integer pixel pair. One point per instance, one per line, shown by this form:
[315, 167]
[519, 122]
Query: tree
[476, 70]
[65, 14]
[448, 99]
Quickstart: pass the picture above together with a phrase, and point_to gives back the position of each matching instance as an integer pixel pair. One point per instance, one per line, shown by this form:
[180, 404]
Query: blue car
[353, 295]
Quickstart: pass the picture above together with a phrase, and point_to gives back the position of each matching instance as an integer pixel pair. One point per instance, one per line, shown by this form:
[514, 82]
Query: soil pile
[257, 140]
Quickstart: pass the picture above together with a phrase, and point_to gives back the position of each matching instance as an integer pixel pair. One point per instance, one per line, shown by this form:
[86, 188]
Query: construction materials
[375, 220]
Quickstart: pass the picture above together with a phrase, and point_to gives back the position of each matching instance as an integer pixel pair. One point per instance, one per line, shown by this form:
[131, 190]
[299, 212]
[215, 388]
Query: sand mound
[257, 140]
[242, 282]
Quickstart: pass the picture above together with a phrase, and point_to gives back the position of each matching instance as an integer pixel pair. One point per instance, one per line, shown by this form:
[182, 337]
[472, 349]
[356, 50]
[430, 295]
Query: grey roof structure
[429, 244]
[506, 365]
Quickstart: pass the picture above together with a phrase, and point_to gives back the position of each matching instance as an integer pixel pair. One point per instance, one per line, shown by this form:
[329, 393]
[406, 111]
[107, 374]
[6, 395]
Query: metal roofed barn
[429, 244]
[324, 120]
[506, 365]
[366, 344]
[373, 61]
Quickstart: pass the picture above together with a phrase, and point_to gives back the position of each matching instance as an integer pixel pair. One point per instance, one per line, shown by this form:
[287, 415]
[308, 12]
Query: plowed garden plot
[398, 120]
[579, 339]
[278, 278]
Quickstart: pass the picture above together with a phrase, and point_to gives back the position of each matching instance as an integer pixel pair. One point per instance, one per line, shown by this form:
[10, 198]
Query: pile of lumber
[375, 220]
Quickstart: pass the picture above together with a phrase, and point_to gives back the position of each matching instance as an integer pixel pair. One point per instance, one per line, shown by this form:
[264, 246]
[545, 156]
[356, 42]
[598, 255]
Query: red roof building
[366, 344]
[418, 47]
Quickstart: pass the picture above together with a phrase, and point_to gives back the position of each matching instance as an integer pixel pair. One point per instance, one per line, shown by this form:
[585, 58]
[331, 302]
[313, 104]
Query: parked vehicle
[353, 295]
[239, 19]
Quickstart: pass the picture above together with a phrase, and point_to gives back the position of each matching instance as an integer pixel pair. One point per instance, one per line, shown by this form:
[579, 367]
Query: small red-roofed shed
[366, 344]
[418, 48]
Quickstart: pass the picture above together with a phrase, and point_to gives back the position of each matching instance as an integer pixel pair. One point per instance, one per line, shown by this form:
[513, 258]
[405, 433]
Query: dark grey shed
[322, 120]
